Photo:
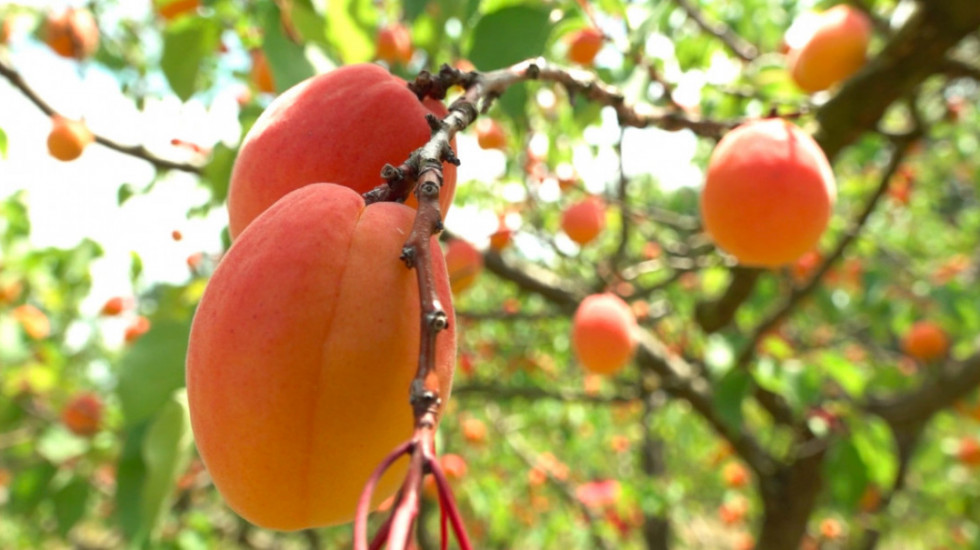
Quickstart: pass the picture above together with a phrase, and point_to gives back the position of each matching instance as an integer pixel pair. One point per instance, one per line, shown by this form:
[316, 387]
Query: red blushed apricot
[83, 414]
[769, 193]
[464, 263]
[341, 127]
[301, 354]
[584, 220]
[925, 341]
[834, 51]
[602, 333]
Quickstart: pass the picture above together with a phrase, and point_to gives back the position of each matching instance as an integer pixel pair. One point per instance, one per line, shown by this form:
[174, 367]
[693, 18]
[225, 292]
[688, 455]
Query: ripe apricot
[83, 414]
[340, 127]
[602, 333]
[769, 193]
[464, 262]
[68, 138]
[598, 494]
[394, 44]
[474, 431]
[172, 9]
[113, 306]
[136, 329]
[490, 134]
[301, 354]
[501, 238]
[834, 51]
[968, 451]
[925, 341]
[72, 33]
[261, 73]
[584, 45]
[584, 220]
[735, 475]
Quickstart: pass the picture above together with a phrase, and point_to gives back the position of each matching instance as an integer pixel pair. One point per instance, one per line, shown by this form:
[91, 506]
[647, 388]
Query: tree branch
[742, 48]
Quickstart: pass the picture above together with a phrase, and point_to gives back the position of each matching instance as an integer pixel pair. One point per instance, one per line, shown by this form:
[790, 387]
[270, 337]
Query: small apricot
[584, 220]
[261, 73]
[490, 134]
[72, 33]
[68, 138]
[603, 333]
[394, 44]
[83, 414]
[584, 45]
[464, 262]
[925, 341]
[834, 51]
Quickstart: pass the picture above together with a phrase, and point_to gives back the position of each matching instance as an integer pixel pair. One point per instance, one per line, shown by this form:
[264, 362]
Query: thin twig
[137, 151]
[738, 45]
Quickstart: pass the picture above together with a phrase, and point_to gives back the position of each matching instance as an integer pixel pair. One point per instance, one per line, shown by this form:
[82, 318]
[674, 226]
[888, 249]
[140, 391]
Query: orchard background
[775, 408]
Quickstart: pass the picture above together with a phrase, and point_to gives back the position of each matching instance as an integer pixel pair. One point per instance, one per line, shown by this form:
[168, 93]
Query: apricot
[602, 333]
[925, 341]
[735, 475]
[834, 51]
[72, 33]
[968, 451]
[136, 329]
[340, 127]
[301, 354]
[584, 220]
[394, 44]
[490, 134]
[83, 414]
[464, 263]
[598, 494]
[261, 73]
[501, 238]
[34, 322]
[68, 138]
[584, 45]
[172, 9]
[768, 194]
[113, 306]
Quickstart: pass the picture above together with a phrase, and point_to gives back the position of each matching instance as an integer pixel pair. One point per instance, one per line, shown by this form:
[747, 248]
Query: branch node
[437, 320]
[408, 256]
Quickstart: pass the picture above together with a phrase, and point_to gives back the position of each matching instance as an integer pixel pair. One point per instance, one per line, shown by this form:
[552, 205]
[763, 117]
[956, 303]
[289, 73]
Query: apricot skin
[602, 333]
[835, 51]
[768, 194]
[341, 127]
[301, 354]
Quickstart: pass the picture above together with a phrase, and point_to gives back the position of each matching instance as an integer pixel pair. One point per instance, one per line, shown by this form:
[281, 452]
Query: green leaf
[509, 35]
[165, 451]
[874, 442]
[69, 503]
[152, 369]
[732, 388]
[130, 472]
[124, 193]
[351, 26]
[287, 59]
[29, 487]
[186, 44]
[846, 373]
[846, 473]
[57, 444]
[217, 173]
[3, 144]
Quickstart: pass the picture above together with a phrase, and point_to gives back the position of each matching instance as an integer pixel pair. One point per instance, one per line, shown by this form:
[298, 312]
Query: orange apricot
[490, 134]
[584, 45]
[68, 138]
[968, 451]
[598, 494]
[83, 414]
[925, 341]
[172, 9]
[584, 220]
[602, 333]
[340, 127]
[394, 44]
[301, 354]
[768, 194]
[474, 431]
[113, 306]
[72, 33]
[464, 263]
[835, 49]
[735, 475]
[261, 73]
[136, 329]
[501, 238]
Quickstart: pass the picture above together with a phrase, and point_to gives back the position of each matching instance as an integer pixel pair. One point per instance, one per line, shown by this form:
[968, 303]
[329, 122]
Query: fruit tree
[489, 274]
